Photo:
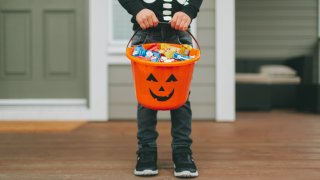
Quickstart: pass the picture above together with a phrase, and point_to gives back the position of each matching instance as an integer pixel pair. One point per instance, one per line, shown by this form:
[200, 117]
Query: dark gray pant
[181, 117]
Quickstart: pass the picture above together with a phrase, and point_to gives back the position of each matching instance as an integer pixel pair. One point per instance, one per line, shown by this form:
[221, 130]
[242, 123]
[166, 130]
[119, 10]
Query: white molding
[118, 50]
[225, 60]
[110, 21]
[43, 102]
[98, 23]
[45, 113]
[118, 60]
[64, 109]
[318, 59]
[193, 30]
[318, 18]
[43, 109]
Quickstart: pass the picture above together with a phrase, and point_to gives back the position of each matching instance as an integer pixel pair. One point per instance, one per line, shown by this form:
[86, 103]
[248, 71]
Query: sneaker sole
[146, 172]
[186, 174]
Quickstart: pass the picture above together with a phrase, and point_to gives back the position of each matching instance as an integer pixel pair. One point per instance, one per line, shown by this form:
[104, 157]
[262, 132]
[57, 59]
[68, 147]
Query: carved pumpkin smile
[161, 98]
[171, 78]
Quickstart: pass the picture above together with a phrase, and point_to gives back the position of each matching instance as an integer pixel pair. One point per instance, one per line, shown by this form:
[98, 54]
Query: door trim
[64, 110]
[43, 102]
[225, 60]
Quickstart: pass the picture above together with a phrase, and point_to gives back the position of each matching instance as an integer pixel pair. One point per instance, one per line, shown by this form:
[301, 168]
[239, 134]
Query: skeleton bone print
[167, 6]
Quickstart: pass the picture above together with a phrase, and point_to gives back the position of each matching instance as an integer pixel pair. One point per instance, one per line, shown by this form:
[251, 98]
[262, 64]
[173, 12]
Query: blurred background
[48, 47]
[277, 55]
[68, 106]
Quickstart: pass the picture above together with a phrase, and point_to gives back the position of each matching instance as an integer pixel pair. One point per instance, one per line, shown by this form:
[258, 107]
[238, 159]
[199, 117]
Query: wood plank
[208, 5]
[275, 28]
[299, 33]
[280, 22]
[206, 19]
[248, 52]
[206, 37]
[274, 41]
[258, 146]
[208, 56]
[277, 3]
[271, 12]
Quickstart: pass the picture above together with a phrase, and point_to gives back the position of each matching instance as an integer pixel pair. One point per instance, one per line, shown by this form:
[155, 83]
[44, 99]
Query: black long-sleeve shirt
[164, 9]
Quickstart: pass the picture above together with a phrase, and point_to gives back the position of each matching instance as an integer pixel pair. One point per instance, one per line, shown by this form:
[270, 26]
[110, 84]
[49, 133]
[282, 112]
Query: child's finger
[149, 21]
[181, 25]
[142, 24]
[185, 25]
[155, 21]
[173, 21]
[177, 26]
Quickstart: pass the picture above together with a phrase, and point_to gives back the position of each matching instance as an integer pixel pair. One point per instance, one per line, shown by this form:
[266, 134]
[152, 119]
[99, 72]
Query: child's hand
[146, 19]
[180, 21]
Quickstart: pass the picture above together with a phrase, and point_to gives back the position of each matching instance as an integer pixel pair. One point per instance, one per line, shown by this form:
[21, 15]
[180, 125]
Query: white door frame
[73, 109]
[225, 60]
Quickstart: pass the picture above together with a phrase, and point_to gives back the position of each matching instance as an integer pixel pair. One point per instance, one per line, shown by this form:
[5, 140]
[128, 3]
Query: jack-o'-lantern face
[162, 94]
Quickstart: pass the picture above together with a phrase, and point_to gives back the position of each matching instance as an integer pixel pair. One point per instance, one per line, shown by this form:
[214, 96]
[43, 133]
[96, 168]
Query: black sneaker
[184, 165]
[146, 162]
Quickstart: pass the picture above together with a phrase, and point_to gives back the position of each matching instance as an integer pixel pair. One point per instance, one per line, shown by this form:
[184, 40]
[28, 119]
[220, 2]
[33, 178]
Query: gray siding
[122, 102]
[275, 28]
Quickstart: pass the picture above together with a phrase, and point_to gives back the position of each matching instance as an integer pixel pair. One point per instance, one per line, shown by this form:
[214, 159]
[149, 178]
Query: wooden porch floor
[258, 146]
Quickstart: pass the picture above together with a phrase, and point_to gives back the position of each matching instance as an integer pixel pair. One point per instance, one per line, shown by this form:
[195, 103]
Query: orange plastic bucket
[162, 86]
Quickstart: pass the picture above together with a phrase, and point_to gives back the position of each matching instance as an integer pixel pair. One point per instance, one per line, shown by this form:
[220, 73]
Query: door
[43, 49]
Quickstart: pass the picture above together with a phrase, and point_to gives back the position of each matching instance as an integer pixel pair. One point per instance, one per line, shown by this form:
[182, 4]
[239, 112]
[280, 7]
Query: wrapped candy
[139, 51]
[163, 52]
[180, 57]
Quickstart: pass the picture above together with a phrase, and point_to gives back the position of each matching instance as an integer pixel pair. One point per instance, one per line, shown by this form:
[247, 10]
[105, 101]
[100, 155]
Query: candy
[149, 54]
[139, 51]
[180, 57]
[156, 57]
[166, 47]
[185, 49]
[163, 58]
[169, 54]
[163, 52]
[154, 47]
[169, 60]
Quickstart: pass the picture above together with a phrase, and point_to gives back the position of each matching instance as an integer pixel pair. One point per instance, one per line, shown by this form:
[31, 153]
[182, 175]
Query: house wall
[122, 102]
[275, 28]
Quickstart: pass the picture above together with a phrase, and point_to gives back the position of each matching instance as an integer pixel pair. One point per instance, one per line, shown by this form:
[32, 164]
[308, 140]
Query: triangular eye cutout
[171, 78]
[151, 78]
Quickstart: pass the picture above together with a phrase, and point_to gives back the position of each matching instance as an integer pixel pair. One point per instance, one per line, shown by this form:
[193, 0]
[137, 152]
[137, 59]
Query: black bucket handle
[139, 29]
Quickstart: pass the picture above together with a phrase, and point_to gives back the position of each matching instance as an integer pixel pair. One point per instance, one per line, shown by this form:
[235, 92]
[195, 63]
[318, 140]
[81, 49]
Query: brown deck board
[258, 146]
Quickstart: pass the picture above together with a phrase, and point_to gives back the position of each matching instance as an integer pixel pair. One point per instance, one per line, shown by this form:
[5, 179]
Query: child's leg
[181, 126]
[147, 135]
[184, 165]
[181, 117]
[147, 118]
[147, 121]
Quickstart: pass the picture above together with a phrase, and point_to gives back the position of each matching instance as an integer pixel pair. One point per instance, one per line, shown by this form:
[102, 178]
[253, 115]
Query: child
[146, 15]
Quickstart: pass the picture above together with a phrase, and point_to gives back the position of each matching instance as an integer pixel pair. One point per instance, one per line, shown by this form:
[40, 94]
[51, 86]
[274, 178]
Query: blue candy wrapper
[180, 57]
[156, 56]
[139, 51]
[149, 54]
